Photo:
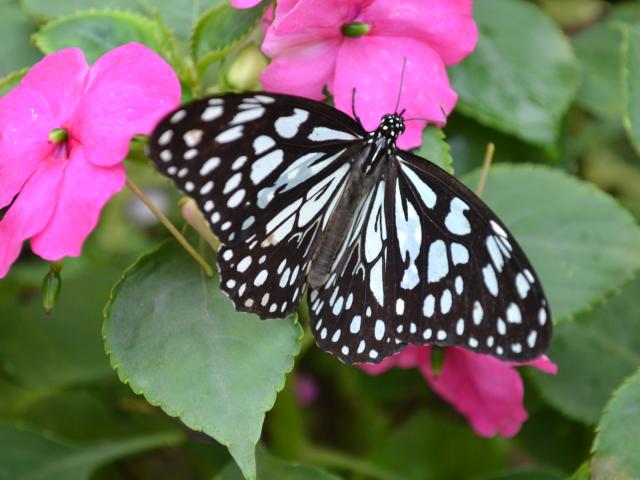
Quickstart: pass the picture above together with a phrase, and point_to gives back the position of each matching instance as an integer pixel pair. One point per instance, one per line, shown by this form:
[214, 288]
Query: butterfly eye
[403, 254]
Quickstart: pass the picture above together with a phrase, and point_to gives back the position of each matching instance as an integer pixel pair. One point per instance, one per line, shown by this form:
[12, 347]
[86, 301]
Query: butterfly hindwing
[461, 279]
[265, 170]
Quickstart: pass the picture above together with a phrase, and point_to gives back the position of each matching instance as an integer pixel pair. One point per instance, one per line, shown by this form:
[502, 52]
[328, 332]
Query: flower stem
[169, 226]
[339, 460]
[486, 164]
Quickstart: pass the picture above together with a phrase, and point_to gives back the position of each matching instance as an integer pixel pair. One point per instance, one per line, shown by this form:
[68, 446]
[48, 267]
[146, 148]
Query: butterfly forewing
[265, 170]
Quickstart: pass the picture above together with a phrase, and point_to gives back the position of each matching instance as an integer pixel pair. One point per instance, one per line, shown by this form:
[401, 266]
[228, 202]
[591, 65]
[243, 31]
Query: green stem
[338, 460]
[169, 226]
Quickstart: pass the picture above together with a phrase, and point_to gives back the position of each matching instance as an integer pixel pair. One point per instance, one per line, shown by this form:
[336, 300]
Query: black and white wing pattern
[427, 262]
[267, 171]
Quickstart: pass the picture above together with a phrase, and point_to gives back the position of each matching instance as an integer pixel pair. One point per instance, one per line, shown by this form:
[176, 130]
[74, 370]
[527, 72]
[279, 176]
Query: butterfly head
[391, 126]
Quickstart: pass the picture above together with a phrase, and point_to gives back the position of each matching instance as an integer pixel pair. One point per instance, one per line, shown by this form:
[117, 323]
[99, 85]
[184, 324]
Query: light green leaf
[616, 444]
[28, 456]
[98, 32]
[594, 353]
[272, 468]
[222, 29]
[518, 80]
[436, 149]
[174, 337]
[12, 80]
[16, 51]
[631, 82]
[580, 241]
[46, 9]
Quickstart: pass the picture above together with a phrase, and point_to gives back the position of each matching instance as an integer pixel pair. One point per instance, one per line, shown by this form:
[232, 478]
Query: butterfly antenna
[404, 64]
[353, 107]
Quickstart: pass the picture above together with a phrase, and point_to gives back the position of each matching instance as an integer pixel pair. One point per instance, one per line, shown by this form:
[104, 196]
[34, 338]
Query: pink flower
[362, 44]
[487, 391]
[57, 186]
[244, 3]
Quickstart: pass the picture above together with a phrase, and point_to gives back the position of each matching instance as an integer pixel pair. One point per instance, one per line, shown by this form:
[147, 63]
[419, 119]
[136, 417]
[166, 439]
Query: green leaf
[272, 468]
[436, 149]
[222, 29]
[599, 52]
[518, 80]
[429, 446]
[528, 475]
[46, 9]
[616, 444]
[594, 353]
[28, 456]
[631, 82]
[580, 241]
[583, 473]
[98, 32]
[174, 337]
[16, 51]
[64, 348]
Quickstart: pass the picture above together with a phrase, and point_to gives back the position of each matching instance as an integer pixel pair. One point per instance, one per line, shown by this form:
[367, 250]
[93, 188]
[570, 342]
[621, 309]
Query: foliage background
[554, 84]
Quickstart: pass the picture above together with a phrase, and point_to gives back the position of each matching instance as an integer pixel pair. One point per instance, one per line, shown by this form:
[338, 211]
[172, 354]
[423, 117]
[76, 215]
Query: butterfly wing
[435, 266]
[266, 171]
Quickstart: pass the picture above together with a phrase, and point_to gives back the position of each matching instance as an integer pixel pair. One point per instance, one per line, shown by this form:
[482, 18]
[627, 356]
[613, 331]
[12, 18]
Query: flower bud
[51, 285]
[244, 72]
[193, 216]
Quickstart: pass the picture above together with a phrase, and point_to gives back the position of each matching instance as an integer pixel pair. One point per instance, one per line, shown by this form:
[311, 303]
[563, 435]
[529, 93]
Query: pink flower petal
[411, 357]
[60, 79]
[304, 72]
[84, 190]
[373, 65]
[306, 22]
[25, 123]
[244, 3]
[542, 363]
[487, 391]
[30, 212]
[446, 25]
[129, 89]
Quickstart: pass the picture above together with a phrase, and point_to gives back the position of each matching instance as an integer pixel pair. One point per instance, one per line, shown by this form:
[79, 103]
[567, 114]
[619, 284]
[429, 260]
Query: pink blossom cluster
[64, 132]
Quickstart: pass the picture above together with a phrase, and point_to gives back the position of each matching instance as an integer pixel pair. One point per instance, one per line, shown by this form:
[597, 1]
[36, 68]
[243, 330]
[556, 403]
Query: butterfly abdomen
[358, 186]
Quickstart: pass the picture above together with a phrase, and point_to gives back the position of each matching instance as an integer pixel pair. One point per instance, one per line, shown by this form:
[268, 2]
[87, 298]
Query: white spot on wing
[455, 221]
[288, 127]
[437, 263]
[321, 134]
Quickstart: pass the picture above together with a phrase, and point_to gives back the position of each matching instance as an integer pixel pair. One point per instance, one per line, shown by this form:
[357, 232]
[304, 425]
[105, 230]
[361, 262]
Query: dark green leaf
[594, 353]
[28, 456]
[616, 445]
[580, 241]
[428, 446]
[519, 79]
[174, 337]
[271, 468]
[64, 348]
[599, 52]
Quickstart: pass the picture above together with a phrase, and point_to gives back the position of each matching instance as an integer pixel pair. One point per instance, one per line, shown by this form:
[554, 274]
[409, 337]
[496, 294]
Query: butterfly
[391, 249]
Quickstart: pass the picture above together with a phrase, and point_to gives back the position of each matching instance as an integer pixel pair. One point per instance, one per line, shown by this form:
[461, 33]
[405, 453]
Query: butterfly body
[391, 249]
